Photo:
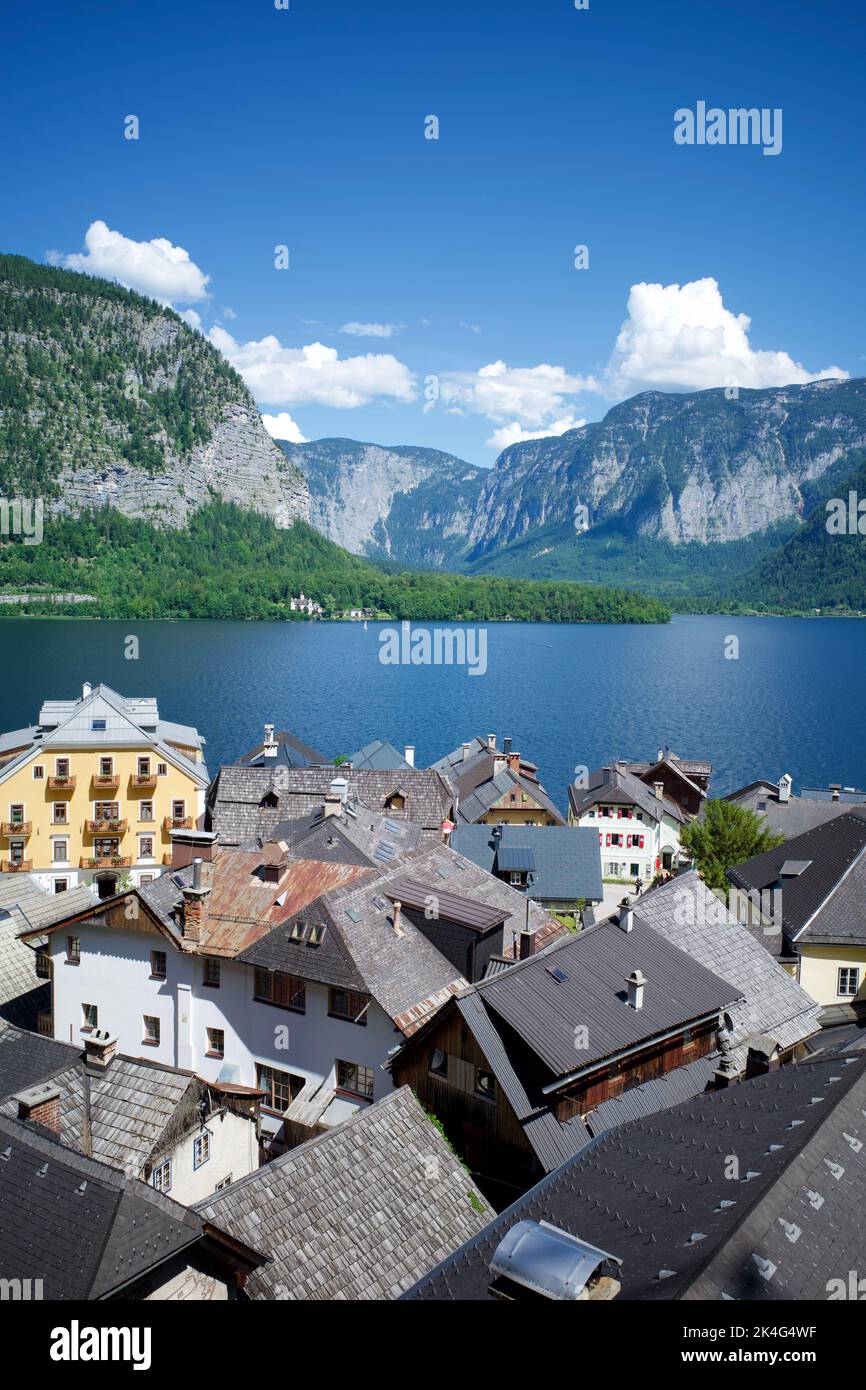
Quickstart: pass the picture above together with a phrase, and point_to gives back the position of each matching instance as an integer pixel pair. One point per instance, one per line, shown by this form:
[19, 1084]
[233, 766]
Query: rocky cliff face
[676, 468]
[107, 398]
[414, 506]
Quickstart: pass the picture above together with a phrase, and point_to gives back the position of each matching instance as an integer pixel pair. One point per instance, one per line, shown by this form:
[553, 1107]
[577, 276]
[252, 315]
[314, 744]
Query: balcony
[20, 866]
[107, 861]
[177, 823]
[105, 827]
[106, 781]
[141, 780]
[20, 828]
[61, 784]
[44, 1024]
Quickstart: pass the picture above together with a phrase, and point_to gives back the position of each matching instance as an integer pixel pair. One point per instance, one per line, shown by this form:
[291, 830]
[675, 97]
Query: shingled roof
[686, 1226]
[616, 785]
[800, 813]
[247, 803]
[82, 1228]
[355, 1214]
[566, 862]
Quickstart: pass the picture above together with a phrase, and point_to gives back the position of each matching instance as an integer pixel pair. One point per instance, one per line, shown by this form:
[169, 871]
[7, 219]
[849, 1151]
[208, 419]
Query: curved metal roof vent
[545, 1260]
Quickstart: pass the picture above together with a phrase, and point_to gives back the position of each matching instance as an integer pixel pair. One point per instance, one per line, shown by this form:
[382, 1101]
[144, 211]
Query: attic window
[559, 975]
[98, 726]
[269, 799]
[316, 934]
[296, 931]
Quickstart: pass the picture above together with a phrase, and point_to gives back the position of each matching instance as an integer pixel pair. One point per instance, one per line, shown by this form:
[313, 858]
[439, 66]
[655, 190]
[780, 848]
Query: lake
[791, 701]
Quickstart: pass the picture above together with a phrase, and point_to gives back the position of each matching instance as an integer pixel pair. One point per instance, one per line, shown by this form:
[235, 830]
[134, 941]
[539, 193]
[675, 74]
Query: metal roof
[449, 907]
[517, 858]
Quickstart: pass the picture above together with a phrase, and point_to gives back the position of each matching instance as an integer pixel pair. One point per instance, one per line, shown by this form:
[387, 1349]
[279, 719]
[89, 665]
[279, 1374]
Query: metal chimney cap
[549, 1261]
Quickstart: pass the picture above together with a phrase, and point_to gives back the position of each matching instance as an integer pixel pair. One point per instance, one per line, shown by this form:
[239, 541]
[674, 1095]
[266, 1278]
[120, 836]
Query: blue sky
[305, 127]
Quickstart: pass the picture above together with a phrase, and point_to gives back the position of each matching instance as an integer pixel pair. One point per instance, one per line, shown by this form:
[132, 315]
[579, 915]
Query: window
[346, 1003]
[61, 767]
[280, 1087]
[145, 810]
[485, 1084]
[16, 851]
[38, 772]
[89, 1017]
[162, 1176]
[275, 987]
[98, 726]
[201, 1149]
[16, 813]
[216, 1042]
[178, 810]
[849, 980]
[106, 849]
[145, 878]
[515, 879]
[60, 851]
[144, 767]
[61, 885]
[157, 965]
[106, 810]
[211, 974]
[151, 1030]
[106, 767]
[355, 1078]
[59, 813]
[439, 1062]
[634, 870]
[43, 964]
[226, 1182]
[162, 769]
[73, 950]
[145, 846]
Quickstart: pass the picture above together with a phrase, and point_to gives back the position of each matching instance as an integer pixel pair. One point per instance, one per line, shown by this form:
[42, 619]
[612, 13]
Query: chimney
[270, 748]
[659, 790]
[332, 805]
[99, 1050]
[635, 983]
[506, 745]
[398, 908]
[409, 754]
[466, 748]
[273, 871]
[835, 788]
[491, 742]
[86, 689]
[40, 1105]
[195, 905]
[626, 919]
[785, 787]
[526, 947]
[660, 755]
[339, 787]
[500, 763]
[514, 762]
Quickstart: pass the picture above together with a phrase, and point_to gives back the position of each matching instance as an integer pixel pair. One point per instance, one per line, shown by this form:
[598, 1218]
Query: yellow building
[91, 793]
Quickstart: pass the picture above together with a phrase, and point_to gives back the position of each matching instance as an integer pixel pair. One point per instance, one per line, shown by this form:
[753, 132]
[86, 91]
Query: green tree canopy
[727, 835]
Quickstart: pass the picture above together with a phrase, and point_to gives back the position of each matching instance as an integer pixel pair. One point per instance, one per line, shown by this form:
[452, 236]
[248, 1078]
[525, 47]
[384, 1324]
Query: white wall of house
[233, 1151]
[114, 973]
[628, 860]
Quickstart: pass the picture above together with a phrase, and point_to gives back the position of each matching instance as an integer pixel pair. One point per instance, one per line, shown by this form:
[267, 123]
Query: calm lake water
[792, 702]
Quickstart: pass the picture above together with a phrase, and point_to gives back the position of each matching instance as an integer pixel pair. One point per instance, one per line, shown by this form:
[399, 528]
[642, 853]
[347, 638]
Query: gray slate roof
[80, 1226]
[357, 1213]
[792, 817]
[26, 1058]
[567, 862]
[479, 801]
[691, 917]
[23, 905]
[790, 1221]
[291, 752]
[238, 816]
[616, 786]
[377, 755]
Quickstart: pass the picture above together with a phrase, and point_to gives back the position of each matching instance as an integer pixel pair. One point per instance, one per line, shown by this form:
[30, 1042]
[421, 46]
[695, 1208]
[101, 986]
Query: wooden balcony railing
[20, 866]
[144, 779]
[105, 827]
[107, 861]
[177, 823]
[106, 781]
[21, 828]
[44, 1024]
[61, 784]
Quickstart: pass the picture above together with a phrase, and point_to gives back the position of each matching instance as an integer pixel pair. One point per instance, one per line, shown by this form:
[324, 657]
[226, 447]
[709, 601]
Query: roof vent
[544, 1260]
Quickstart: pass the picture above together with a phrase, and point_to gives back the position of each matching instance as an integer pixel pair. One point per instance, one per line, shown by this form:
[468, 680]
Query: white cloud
[473, 327]
[529, 397]
[192, 318]
[372, 330]
[54, 257]
[682, 337]
[282, 426]
[229, 313]
[284, 376]
[156, 268]
[515, 434]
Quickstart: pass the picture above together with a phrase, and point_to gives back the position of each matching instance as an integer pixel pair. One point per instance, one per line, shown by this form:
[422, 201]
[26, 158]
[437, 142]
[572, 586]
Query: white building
[638, 826]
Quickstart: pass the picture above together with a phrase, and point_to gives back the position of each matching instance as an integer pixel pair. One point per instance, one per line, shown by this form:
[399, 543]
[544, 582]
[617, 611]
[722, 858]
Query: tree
[727, 835]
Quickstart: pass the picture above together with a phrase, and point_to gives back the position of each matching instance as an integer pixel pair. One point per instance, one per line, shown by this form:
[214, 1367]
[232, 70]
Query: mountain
[108, 398]
[413, 506]
[674, 469]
